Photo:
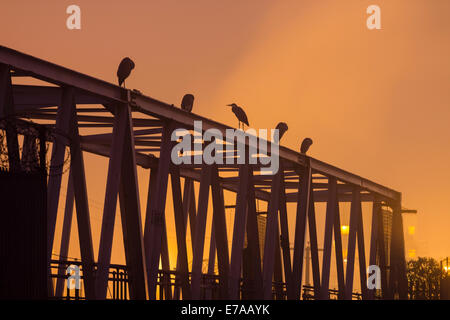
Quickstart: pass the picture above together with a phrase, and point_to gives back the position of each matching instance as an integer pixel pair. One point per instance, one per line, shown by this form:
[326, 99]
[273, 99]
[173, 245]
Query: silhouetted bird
[240, 114]
[188, 102]
[124, 70]
[307, 142]
[282, 127]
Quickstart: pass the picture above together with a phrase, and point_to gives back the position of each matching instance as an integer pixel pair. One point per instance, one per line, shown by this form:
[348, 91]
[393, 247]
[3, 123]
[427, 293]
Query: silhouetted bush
[424, 276]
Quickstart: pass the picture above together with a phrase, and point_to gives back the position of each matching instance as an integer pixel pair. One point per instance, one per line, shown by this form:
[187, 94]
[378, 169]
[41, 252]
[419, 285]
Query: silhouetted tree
[424, 275]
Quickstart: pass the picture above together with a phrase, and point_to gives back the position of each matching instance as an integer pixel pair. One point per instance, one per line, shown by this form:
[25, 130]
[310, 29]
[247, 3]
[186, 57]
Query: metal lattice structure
[135, 130]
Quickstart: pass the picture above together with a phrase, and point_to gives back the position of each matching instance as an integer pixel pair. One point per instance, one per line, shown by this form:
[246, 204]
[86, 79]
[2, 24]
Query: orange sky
[376, 103]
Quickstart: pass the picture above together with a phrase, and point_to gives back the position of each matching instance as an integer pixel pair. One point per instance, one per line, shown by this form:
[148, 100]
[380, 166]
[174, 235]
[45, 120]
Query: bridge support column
[254, 278]
[314, 246]
[199, 236]
[220, 233]
[327, 247]
[155, 219]
[130, 210]
[284, 239]
[7, 110]
[82, 207]
[303, 207]
[65, 237]
[189, 211]
[398, 282]
[355, 234]
[180, 227]
[271, 239]
[338, 252]
[64, 123]
[110, 204]
[240, 218]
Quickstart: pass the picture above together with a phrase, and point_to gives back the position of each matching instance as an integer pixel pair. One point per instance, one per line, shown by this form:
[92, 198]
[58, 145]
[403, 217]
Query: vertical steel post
[303, 207]
[199, 236]
[112, 190]
[64, 123]
[189, 208]
[183, 270]
[239, 233]
[130, 210]
[361, 254]
[7, 110]
[253, 246]
[328, 240]
[271, 239]
[398, 281]
[314, 246]
[165, 263]
[382, 256]
[220, 233]
[284, 239]
[211, 262]
[65, 237]
[374, 239]
[338, 252]
[278, 273]
[155, 219]
[188, 204]
[82, 208]
[354, 217]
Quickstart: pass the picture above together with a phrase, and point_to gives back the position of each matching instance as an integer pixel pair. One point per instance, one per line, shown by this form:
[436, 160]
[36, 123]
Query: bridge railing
[168, 285]
[117, 281]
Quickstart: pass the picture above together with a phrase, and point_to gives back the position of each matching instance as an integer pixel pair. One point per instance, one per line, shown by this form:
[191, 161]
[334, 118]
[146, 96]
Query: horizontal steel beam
[322, 196]
[59, 75]
[28, 96]
[354, 179]
[104, 150]
[62, 76]
[146, 161]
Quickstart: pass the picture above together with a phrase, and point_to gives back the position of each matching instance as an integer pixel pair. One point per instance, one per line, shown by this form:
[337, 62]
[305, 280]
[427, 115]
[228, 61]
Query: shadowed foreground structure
[135, 130]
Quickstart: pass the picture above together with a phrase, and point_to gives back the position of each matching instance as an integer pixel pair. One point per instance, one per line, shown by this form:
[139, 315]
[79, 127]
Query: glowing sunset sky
[376, 103]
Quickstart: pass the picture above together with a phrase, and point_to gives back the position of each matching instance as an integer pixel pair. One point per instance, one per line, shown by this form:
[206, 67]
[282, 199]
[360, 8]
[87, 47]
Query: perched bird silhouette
[282, 127]
[240, 114]
[124, 70]
[307, 142]
[188, 102]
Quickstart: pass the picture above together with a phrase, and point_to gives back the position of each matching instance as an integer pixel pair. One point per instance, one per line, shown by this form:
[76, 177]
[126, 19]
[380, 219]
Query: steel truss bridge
[135, 130]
